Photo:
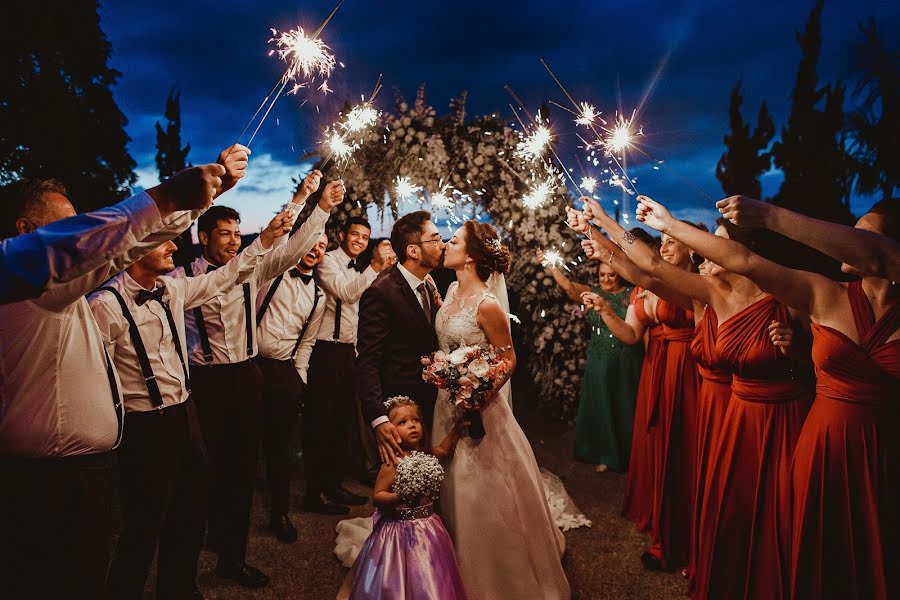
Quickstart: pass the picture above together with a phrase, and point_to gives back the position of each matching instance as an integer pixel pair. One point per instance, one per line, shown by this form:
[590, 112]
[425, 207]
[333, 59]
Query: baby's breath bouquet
[419, 477]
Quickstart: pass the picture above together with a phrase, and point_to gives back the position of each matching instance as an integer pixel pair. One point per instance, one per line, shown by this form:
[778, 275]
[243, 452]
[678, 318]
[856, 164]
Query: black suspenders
[268, 300]
[308, 319]
[141, 351]
[201, 324]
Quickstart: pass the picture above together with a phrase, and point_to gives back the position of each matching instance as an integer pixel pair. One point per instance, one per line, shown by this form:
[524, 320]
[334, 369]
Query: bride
[493, 500]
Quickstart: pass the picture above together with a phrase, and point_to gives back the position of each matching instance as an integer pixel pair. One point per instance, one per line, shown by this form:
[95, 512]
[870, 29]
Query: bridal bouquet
[419, 476]
[469, 373]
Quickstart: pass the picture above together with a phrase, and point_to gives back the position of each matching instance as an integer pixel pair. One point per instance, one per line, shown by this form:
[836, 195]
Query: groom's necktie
[426, 301]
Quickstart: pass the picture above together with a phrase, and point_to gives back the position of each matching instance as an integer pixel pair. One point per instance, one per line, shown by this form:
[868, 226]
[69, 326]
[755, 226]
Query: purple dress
[408, 556]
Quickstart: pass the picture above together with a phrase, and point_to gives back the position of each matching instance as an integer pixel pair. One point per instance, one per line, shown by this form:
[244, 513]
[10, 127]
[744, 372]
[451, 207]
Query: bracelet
[628, 237]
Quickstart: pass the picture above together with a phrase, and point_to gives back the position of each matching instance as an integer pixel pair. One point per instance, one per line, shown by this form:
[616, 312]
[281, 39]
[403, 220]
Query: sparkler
[441, 199]
[553, 259]
[587, 115]
[360, 117]
[404, 188]
[307, 53]
[533, 146]
[539, 193]
[339, 146]
[305, 56]
[588, 184]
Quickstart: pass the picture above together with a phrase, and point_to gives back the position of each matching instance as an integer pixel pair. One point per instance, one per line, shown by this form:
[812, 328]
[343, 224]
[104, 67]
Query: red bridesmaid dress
[744, 537]
[715, 394]
[846, 475]
[673, 425]
[638, 503]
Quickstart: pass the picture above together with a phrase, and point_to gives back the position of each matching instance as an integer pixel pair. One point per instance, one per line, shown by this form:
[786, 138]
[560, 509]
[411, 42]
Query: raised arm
[805, 291]
[872, 254]
[572, 289]
[683, 283]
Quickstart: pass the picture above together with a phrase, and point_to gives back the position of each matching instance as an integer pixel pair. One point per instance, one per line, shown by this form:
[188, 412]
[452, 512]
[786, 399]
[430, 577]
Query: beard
[432, 262]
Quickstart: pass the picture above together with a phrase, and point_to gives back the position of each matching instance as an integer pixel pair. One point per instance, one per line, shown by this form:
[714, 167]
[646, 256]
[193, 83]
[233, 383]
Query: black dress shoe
[324, 508]
[242, 573]
[283, 529]
[342, 496]
[197, 595]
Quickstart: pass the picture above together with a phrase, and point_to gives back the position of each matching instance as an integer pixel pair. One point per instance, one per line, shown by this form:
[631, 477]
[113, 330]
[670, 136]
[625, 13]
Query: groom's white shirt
[414, 282]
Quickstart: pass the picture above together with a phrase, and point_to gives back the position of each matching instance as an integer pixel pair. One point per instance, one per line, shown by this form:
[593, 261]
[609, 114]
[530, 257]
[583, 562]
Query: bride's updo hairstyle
[485, 249]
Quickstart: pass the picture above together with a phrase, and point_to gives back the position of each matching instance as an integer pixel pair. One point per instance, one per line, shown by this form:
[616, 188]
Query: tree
[58, 117]
[811, 153]
[171, 158]
[746, 156]
[875, 123]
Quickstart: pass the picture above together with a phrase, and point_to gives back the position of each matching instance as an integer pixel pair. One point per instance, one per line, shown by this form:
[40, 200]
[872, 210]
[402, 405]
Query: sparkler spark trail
[404, 188]
[552, 258]
[442, 200]
[587, 115]
[588, 184]
[533, 146]
[538, 194]
[304, 55]
[360, 117]
[339, 146]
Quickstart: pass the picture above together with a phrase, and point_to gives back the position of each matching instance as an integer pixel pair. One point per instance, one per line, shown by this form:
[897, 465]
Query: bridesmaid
[672, 417]
[609, 386]
[846, 540]
[845, 533]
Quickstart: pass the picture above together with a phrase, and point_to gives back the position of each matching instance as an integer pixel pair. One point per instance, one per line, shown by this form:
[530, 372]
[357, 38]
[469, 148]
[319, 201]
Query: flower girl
[409, 554]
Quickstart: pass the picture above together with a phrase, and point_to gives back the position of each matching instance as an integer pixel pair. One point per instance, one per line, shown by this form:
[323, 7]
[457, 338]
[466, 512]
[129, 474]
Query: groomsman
[226, 381]
[330, 416]
[162, 458]
[60, 406]
[289, 310]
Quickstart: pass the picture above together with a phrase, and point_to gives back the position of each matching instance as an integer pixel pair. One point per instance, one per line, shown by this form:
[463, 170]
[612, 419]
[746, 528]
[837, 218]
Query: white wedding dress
[493, 499]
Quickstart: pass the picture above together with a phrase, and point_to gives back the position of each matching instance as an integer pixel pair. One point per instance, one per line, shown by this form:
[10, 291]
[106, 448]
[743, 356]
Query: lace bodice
[457, 324]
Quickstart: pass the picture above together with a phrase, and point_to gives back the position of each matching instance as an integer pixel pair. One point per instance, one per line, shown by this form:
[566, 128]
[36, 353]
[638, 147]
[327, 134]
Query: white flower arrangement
[419, 477]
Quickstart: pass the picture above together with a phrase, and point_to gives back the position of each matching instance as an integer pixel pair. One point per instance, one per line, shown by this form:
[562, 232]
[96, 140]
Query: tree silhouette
[171, 158]
[875, 124]
[746, 157]
[811, 154]
[58, 117]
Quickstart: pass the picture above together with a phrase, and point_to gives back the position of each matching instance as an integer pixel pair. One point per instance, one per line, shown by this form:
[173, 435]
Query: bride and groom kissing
[492, 501]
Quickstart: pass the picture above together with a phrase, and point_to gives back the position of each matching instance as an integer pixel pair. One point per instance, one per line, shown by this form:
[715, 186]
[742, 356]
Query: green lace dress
[608, 390]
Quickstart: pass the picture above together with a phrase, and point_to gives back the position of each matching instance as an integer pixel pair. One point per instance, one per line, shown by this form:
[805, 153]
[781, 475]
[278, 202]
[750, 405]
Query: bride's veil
[496, 284]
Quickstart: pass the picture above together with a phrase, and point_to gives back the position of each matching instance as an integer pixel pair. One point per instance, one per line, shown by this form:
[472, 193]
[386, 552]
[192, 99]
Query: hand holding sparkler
[308, 187]
[744, 211]
[593, 301]
[279, 225]
[592, 249]
[235, 159]
[189, 189]
[576, 220]
[653, 214]
[332, 195]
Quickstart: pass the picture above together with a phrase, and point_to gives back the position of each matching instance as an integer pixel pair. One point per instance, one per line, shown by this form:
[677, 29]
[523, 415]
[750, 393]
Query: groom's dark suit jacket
[394, 334]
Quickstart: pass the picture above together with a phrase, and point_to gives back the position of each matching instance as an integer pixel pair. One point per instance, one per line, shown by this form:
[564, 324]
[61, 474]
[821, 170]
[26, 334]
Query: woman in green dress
[612, 370]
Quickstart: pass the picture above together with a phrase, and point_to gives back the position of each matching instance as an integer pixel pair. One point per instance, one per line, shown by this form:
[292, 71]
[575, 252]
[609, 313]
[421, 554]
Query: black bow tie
[303, 276]
[351, 264]
[211, 268]
[144, 296]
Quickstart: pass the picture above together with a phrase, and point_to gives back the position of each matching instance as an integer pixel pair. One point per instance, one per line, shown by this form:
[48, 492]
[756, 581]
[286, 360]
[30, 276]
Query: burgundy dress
[744, 537]
[638, 504]
[846, 475]
[673, 426]
[715, 394]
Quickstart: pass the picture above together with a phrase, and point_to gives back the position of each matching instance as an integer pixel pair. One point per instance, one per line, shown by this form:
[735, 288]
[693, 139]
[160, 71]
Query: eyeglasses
[428, 241]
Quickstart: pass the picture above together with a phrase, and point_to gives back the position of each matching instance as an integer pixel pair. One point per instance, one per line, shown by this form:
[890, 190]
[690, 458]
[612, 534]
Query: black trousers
[229, 402]
[55, 526]
[282, 397]
[330, 432]
[163, 474]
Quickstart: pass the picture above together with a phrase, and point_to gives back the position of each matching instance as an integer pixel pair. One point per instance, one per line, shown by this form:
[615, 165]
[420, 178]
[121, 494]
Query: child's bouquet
[419, 477]
[469, 373]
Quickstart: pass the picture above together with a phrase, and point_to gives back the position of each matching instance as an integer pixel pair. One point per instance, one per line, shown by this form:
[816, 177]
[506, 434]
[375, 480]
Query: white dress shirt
[153, 324]
[224, 313]
[346, 284]
[285, 318]
[69, 248]
[55, 396]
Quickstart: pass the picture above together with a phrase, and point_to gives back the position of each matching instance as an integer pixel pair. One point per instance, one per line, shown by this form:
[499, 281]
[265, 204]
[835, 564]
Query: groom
[396, 328]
